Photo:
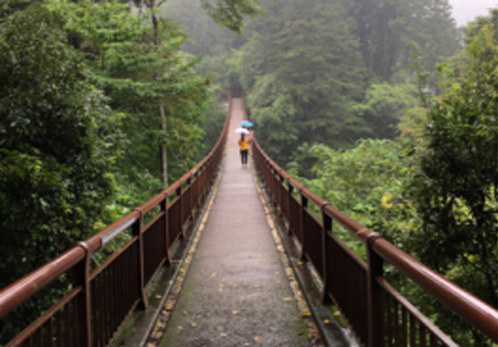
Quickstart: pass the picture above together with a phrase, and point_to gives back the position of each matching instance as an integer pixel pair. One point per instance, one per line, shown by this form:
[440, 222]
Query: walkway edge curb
[195, 236]
[331, 333]
[149, 317]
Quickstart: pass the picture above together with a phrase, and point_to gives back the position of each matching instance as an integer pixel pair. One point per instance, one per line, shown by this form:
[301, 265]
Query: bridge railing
[375, 311]
[100, 300]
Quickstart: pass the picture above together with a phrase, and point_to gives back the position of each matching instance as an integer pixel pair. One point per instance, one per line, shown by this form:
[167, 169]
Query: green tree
[384, 105]
[365, 182]
[9, 7]
[455, 189]
[230, 13]
[303, 72]
[56, 148]
[387, 30]
[147, 78]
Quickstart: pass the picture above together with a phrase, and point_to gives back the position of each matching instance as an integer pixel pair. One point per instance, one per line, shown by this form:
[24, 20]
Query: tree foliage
[303, 71]
[147, 78]
[384, 106]
[365, 182]
[455, 188]
[230, 13]
[56, 140]
[388, 29]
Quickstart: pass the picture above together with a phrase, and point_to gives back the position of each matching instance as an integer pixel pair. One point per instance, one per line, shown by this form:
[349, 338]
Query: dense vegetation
[382, 107]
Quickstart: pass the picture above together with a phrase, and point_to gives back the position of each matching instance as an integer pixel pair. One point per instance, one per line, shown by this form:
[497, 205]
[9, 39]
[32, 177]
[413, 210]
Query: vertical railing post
[304, 205]
[84, 301]
[180, 197]
[326, 228]
[274, 186]
[164, 209]
[189, 207]
[202, 181]
[205, 179]
[194, 197]
[137, 231]
[290, 186]
[375, 312]
[280, 200]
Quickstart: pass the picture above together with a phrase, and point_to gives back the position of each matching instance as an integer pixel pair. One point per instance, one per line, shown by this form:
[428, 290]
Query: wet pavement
[236, 292]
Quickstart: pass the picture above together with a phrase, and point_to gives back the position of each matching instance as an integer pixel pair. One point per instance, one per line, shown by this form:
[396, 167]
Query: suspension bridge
[237, 255]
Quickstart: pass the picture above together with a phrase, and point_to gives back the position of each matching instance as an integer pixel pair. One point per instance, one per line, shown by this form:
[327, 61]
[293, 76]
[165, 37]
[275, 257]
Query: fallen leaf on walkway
[305, 314]
[193, 325]
[184, 313]
[223, 335]
[214, 274]
[221, 285]
[247, 344]
[180, 327]
[158, 296]
[287, 299]
[235, 312]
[170, 305]
[256, 338]
[326, 321]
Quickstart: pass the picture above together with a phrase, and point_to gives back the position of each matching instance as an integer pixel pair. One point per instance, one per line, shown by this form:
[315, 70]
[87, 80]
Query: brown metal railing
[100, 301]
[375, 311]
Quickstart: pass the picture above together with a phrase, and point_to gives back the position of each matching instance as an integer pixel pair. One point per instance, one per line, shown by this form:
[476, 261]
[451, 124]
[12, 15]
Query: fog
[465, 11]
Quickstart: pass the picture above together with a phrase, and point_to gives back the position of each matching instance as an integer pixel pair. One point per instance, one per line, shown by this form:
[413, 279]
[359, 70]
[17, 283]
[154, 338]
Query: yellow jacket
[243, 144]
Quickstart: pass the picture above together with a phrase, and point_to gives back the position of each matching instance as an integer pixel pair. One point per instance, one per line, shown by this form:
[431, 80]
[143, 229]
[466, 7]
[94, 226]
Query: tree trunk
[162, 149]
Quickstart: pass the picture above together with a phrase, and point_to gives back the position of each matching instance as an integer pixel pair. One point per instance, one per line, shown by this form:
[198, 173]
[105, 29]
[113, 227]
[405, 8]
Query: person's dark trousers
[243, 156]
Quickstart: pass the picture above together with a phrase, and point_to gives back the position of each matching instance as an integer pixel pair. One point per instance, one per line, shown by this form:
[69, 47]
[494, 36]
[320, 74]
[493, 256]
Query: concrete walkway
[236, 292]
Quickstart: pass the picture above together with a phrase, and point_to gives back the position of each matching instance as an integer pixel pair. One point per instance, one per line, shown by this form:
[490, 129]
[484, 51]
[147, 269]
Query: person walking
[243, 146]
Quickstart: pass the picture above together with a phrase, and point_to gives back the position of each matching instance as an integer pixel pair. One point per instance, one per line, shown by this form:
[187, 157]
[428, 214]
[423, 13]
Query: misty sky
[466, 10]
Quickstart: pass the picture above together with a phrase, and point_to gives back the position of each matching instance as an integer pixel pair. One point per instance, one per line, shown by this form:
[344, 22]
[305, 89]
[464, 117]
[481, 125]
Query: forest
[385, 108]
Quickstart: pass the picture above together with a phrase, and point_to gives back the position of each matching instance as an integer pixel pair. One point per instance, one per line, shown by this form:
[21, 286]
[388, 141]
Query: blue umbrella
[245, 123]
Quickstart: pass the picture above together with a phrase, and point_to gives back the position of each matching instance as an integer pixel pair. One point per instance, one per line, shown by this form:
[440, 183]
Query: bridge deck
[236, 292]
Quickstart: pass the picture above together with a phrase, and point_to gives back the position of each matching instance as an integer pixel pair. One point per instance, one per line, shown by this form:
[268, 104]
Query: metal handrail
[21, 290]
